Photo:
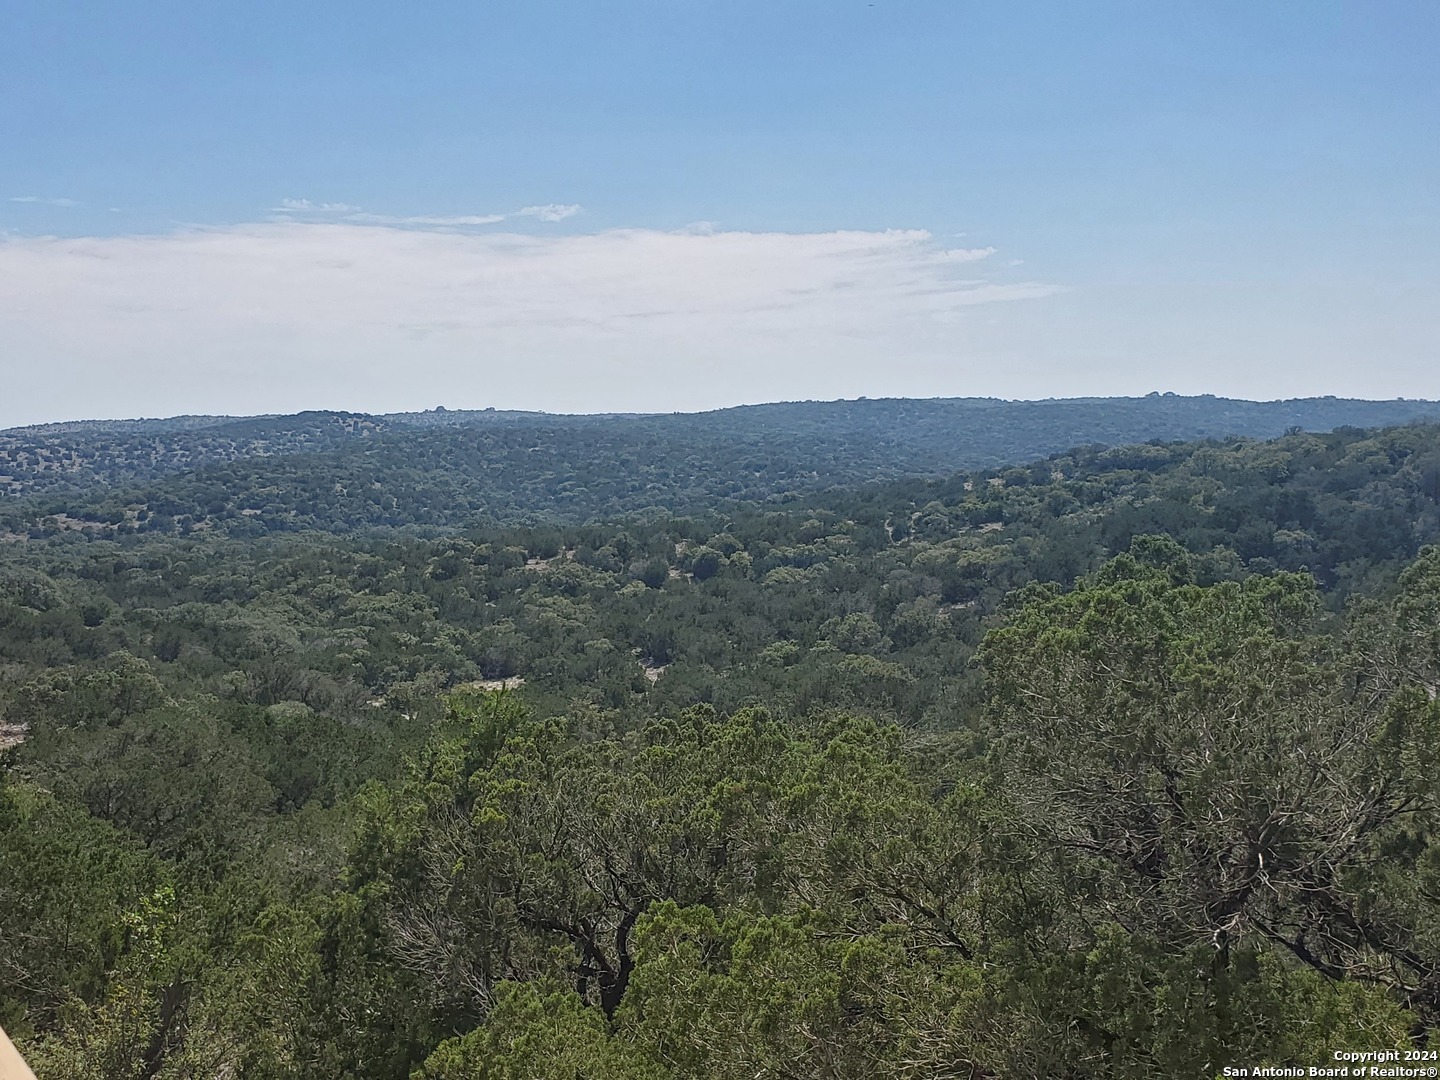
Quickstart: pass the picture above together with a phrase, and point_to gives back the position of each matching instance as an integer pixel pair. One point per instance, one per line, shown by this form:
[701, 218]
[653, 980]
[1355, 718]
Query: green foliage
[772, 996]
[1117, 764]
[65, 881]
[345, 472]
[537, 1033]
[1200, 765]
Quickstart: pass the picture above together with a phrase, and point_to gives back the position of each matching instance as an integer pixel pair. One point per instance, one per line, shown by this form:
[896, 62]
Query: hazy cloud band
[300, 314]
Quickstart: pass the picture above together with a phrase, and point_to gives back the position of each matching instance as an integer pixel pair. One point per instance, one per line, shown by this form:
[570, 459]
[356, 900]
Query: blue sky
[696, 204]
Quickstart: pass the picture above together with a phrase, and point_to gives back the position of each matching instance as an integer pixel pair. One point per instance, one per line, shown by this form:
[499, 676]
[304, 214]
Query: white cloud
[298, 209]
[426, 221]
[551, 211]
[961, 255]
[305, 206]
[43, 201]
[291, 314]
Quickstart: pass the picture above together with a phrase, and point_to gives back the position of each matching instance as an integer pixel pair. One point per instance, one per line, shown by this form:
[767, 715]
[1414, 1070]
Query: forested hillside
[1108, 763]
[346, 472]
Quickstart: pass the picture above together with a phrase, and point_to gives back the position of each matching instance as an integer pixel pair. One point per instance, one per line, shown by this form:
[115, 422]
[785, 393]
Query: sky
[634, 206]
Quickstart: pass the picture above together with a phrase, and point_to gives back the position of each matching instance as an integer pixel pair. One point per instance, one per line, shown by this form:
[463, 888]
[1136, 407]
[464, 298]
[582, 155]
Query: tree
[1200, 767]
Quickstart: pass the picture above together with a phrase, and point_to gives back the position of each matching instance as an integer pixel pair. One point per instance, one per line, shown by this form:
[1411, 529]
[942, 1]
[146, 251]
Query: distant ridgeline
[341, 471]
